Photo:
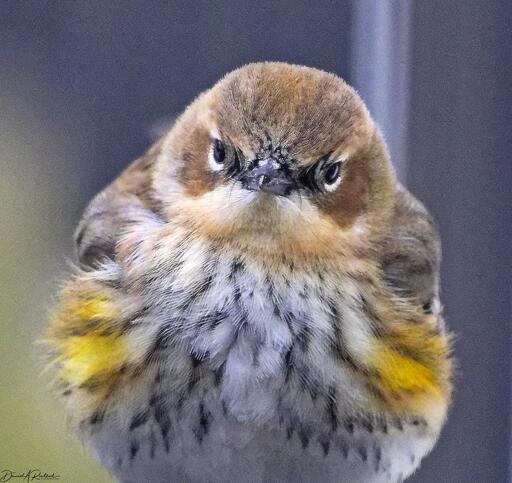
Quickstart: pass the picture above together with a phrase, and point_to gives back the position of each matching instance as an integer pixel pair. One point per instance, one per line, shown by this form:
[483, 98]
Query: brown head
[278, 157]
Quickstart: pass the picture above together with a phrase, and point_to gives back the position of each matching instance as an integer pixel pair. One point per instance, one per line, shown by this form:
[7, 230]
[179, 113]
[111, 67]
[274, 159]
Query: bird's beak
[270, 176]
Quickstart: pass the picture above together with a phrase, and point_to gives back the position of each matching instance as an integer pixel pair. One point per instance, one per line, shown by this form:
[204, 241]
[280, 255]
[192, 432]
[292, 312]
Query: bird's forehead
[286, 110]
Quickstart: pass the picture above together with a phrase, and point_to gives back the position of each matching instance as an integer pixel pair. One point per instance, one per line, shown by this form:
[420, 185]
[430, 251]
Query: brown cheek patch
[195, 175]
[350, 198]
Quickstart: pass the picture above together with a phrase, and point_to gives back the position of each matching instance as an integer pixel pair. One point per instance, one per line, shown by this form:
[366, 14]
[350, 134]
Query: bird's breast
[213, 350]
[319, 327]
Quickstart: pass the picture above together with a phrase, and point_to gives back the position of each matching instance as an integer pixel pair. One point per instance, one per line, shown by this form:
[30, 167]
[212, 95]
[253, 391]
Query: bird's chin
[265, 208]
[232, 204]
[264, 222]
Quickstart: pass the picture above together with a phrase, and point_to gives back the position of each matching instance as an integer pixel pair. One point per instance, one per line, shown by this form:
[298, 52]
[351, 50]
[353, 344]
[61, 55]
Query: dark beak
[269, 176]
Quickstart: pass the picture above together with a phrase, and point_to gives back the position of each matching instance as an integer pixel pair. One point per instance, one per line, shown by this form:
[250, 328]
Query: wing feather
[412, 253]
[113, 209]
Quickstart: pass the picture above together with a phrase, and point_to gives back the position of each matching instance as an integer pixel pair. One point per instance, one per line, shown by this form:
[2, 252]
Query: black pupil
[219, 153]
[332, 173]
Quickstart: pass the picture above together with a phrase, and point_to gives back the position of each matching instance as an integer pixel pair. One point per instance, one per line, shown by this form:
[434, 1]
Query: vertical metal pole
[380, 68]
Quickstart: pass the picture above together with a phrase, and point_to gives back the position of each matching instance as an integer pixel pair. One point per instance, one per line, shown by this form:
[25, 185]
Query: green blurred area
[38, 211]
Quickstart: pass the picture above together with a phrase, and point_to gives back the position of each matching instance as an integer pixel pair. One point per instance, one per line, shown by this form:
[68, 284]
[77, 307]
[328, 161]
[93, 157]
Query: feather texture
[216, 332]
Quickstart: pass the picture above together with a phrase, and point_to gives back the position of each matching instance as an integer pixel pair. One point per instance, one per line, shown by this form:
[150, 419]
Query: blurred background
[84, 86]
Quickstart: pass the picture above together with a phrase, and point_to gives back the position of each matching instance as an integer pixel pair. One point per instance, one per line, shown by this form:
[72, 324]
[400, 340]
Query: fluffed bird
[257, 298]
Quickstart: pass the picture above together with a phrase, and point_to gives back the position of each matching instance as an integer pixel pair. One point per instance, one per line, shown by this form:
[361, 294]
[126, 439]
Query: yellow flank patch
[94, 307]
[402, 374]
[410, 366]
[93, 356]
[91, 350]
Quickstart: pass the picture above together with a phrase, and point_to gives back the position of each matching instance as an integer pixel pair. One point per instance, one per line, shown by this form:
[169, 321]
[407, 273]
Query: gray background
[83, 85]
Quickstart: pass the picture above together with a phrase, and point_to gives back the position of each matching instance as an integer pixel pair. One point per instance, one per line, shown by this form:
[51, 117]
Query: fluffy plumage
[258, 299]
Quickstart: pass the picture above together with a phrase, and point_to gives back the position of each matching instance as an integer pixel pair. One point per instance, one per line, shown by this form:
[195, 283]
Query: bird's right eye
[217, 155]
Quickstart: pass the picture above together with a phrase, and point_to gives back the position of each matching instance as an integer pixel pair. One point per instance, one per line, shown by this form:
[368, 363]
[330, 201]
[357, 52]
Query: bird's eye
[332, 176]
[217, 155]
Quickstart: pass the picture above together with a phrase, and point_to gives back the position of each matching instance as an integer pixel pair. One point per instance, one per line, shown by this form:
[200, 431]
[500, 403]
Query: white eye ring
[212, 162]
[332, 187]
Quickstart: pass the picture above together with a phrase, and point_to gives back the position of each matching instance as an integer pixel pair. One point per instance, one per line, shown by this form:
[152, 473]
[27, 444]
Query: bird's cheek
[345, 205]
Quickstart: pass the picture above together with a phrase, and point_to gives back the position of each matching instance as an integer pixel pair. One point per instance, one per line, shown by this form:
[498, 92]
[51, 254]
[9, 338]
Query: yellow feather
[401, 373]
[97, 307]
[411, 367]
[91, 356]
[88, 352]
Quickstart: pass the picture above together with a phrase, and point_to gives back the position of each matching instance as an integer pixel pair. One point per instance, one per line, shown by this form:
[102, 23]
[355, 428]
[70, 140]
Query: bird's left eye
[332, 176]
[217, 155]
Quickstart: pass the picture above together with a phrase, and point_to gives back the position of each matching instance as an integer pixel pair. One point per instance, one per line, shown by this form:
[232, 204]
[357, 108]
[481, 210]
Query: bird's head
[278, 157]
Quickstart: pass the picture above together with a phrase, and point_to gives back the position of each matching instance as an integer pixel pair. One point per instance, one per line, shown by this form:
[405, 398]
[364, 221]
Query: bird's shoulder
[411, 254]
[115, 207]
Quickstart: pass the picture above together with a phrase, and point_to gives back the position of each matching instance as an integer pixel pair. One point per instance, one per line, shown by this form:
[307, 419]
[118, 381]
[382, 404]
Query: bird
[256, 298]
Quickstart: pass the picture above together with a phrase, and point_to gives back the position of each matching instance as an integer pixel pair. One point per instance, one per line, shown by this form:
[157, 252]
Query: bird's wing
[412, 254]
[113, 209]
